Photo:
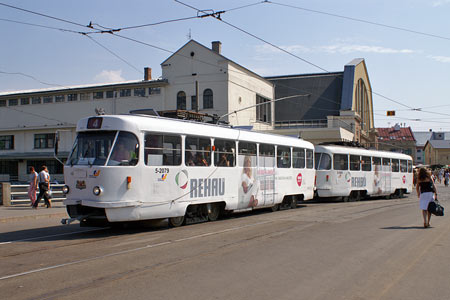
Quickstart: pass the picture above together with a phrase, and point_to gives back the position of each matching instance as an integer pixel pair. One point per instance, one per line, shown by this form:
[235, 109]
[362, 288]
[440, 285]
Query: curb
[33, 217]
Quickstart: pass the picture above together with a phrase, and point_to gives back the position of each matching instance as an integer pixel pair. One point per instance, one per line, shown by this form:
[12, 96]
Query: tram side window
[283, 157]
[224, 153]
[340, 161]
[386, 161]
[376, 163]
[266, 156]
[162, 149]
[395, 165]
[410, 166]
[403, 166]
[125, 151]
[355, 162]
[366, 163]
[198, 151]
[309, 159]
[323, 161]
[298, 158]
[247, 154]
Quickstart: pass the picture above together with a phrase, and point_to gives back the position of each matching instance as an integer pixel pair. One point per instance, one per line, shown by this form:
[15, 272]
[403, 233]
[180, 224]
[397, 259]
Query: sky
[405, 44]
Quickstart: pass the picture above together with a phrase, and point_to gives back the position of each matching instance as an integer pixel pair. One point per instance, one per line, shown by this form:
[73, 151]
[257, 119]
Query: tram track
[104, 243]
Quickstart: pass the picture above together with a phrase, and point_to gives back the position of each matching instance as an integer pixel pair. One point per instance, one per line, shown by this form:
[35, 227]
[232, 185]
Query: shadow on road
[403, 227]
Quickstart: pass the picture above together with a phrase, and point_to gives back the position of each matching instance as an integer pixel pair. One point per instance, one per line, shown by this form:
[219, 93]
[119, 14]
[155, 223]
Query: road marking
[47, 236]
[134, 250]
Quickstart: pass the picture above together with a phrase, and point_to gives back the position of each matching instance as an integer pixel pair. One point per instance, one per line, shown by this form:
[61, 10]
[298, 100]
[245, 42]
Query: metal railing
[12, 194]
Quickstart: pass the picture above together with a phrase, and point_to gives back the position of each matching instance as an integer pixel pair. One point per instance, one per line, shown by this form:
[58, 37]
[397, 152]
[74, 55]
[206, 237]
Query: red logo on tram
[404, 179]
[299, 179]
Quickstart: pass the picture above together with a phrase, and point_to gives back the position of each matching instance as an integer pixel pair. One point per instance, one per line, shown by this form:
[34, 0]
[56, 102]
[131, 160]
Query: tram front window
[91, 148]
[125, 151]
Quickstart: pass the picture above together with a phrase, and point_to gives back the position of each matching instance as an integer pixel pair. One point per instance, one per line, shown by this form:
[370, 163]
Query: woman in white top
[33, 185]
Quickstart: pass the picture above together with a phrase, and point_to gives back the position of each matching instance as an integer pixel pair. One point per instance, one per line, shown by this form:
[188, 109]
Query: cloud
[109, 76]
[443, 59]
[440, 3]
[345, 49]
[341, 48]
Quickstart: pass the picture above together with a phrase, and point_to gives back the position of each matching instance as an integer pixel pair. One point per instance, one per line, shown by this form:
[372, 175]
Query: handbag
[436, 208]
[48, 193]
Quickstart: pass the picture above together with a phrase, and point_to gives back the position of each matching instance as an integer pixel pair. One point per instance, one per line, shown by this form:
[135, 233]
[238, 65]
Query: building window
[208, 99]
[35, 100]
[154, 91]
[194, 104]
[44, 141]
[181, 100]
[13, 102]
[59, 98]
[24, 101]
[6, 142]
[72, 97]
[109, 94]
[2, 102]
[139, 92]
[98, 95]
[263, 111]
[125, 93]
[85, 96]
[48, 99]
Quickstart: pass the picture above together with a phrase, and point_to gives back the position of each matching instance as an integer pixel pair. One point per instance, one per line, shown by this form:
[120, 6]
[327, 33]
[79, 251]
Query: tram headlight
[97, 190]
[65, 189]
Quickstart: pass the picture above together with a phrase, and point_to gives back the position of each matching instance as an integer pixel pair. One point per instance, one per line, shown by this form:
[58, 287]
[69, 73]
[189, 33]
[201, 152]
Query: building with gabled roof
[397, 139]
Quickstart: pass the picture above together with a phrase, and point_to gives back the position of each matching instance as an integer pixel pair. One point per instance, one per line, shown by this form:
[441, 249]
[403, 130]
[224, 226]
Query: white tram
[355, 173]
[138, 167]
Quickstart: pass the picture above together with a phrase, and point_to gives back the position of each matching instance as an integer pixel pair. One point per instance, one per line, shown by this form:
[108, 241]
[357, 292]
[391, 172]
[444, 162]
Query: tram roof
[136, 123]
[361, 151]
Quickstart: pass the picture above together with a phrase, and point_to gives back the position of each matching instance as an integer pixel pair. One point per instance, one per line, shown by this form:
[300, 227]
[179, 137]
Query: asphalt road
[375, 249]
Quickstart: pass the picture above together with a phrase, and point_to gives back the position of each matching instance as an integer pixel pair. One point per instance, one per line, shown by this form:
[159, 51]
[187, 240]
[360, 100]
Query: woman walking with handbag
[426, 191]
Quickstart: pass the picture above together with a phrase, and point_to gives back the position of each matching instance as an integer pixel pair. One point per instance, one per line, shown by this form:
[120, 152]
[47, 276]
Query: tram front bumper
[102, 204]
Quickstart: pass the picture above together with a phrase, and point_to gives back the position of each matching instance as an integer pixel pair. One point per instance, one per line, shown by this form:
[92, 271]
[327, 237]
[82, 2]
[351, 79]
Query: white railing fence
[12, 194]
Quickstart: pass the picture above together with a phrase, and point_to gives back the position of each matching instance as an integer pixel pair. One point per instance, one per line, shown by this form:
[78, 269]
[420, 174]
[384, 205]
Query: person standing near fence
[33, 185]
[44, 188]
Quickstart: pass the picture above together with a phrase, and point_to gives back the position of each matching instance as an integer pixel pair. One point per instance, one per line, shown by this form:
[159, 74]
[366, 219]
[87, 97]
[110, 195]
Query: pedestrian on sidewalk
[33, 185]
[426, 191]
[44, 188]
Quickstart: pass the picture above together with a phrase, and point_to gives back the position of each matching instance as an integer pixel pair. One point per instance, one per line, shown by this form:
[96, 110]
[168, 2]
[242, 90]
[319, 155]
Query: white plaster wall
[243, 87]
[207, 68]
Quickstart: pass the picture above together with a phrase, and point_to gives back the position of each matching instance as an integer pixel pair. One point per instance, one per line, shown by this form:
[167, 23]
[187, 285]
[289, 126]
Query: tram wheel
[214, 212]
[275, 207]
[400, 193]
[177, 221]
[293, 202]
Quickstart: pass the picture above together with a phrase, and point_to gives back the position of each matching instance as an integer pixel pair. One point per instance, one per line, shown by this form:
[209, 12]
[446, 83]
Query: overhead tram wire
[43, 15]
[217, 16]
[360, 20]
[110, 51]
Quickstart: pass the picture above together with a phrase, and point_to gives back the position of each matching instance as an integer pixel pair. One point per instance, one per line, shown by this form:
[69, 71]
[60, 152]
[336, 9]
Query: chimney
[147, 74]
[217, 47]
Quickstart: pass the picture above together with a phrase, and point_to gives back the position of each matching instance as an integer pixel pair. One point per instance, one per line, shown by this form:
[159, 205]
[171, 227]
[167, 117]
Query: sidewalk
[21, 212]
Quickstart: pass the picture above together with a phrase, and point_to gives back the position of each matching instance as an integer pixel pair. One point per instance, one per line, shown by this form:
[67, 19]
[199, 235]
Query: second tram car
[136, 167]
[354, 173]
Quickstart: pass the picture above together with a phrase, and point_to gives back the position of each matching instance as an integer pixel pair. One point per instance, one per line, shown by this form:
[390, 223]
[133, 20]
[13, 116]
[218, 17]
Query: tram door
[386, 176]
[266, 174]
